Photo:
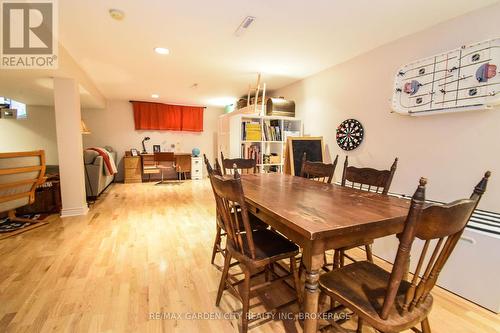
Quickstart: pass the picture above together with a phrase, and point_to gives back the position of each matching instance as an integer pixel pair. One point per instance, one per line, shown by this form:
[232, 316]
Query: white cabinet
[471, 271]
[196, 168]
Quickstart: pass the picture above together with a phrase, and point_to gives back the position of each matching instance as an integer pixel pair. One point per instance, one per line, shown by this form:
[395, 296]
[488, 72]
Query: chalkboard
[312, 146]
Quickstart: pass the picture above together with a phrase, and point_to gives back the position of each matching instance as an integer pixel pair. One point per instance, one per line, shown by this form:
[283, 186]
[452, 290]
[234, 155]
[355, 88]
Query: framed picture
[156, 148]
[134, 152]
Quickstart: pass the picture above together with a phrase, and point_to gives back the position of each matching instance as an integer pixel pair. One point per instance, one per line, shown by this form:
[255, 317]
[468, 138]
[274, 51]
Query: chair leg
[426, 328]
[301, 268]
[360, 326]
[336, 259]
[267, 273]
[245, 297]
[296, 278]
[216, 244]
[342, 258]
[222, 284]
[369, 254]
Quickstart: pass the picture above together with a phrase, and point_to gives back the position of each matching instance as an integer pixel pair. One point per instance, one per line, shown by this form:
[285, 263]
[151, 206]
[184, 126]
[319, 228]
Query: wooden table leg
[313, 262]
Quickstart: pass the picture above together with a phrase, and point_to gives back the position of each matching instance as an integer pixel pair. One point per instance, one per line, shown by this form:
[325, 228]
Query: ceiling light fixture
[116, 14]
[244, 25]
[155, 96]
[161, 50]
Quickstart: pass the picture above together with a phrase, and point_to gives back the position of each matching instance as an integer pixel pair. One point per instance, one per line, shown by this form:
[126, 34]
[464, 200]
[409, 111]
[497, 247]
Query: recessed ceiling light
[116, 14]
[155, 96]
[161, 50]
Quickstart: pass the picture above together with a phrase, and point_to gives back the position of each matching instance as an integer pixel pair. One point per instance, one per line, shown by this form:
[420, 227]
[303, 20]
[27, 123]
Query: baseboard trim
[78, 211]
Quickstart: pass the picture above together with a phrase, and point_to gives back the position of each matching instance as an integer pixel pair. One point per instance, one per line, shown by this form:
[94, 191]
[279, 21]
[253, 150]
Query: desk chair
[183, 165]
[149, 166]
[164, 161]
[20, 174]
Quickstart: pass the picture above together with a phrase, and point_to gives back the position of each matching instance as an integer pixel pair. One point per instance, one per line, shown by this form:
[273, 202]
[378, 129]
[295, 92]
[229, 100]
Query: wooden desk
[321, 217]
[134, 165]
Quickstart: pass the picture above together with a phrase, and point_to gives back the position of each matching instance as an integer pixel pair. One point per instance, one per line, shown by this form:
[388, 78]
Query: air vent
[244, 25]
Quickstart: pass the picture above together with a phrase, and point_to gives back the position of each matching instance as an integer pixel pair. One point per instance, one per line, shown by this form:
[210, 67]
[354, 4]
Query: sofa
[96, 180]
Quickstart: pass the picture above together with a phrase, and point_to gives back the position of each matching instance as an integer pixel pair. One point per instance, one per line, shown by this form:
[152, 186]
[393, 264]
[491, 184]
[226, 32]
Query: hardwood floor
[142, 254]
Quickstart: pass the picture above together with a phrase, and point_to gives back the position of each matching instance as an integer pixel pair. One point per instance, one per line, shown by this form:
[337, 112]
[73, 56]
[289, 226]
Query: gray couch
[96, 180]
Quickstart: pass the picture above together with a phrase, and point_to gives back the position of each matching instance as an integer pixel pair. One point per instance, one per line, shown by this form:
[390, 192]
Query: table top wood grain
[316, 210]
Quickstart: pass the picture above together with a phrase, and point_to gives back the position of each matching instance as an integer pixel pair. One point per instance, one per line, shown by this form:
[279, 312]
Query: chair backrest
[210, 170]
[183, 162]
[368, 178]
[242, 165]
[232, 208]
[164, 157]
[318, 171]
[440, 227]
[20, 174]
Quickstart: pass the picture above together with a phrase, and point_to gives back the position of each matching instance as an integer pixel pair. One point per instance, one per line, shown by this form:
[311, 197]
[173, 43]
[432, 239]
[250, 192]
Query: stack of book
[251, 131]
[272, 130]
[251, 152]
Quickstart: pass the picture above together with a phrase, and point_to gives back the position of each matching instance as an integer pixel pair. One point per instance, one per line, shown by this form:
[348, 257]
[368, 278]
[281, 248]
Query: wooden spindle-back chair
[384, 299]
[255, 250]
[220, 229]
[244, 166]
[318, 171]
[368, 179]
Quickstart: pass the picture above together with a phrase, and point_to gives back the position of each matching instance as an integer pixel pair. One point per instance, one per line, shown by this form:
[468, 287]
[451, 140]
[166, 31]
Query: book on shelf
[272, 130]
[251, 152]
[251, 131]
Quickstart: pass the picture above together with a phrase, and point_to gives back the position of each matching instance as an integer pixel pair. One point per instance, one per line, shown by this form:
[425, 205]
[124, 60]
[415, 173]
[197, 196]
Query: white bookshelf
[232, 143]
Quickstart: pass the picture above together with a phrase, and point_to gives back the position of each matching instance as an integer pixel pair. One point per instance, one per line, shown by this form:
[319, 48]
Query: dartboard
[350, 134]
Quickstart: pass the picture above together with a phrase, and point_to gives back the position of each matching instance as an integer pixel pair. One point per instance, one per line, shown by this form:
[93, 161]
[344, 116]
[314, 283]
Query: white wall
[452, 150]
[36, 132]
[114, 126]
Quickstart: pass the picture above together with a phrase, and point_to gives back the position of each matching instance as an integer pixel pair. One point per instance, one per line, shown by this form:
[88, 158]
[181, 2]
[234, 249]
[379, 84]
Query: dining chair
[254, 250]
[318, 171]
[369, 179]
[385, 300]
[243, 165]
[321, 172]
[255, 222]
[164, 161]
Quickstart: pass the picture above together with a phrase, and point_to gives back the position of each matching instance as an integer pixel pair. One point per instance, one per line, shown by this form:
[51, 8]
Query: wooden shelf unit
[230, 140]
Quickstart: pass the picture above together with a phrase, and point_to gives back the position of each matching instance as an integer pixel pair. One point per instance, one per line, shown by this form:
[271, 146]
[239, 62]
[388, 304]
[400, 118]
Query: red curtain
[192, 118]
[158, 116]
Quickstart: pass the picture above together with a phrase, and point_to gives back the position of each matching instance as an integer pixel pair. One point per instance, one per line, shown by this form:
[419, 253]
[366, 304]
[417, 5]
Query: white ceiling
[290, 40]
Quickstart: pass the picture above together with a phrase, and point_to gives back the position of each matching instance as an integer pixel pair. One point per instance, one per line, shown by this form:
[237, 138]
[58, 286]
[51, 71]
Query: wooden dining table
[320, 217]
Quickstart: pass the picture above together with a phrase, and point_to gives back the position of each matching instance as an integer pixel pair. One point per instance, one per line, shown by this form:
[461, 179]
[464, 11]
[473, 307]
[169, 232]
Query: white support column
[70, 147]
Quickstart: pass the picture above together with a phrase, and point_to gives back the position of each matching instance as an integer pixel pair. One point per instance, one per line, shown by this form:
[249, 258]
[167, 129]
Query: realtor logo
[29, 34]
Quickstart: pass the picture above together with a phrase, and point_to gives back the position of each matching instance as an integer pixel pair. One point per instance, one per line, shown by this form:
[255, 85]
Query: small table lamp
[143, 146]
